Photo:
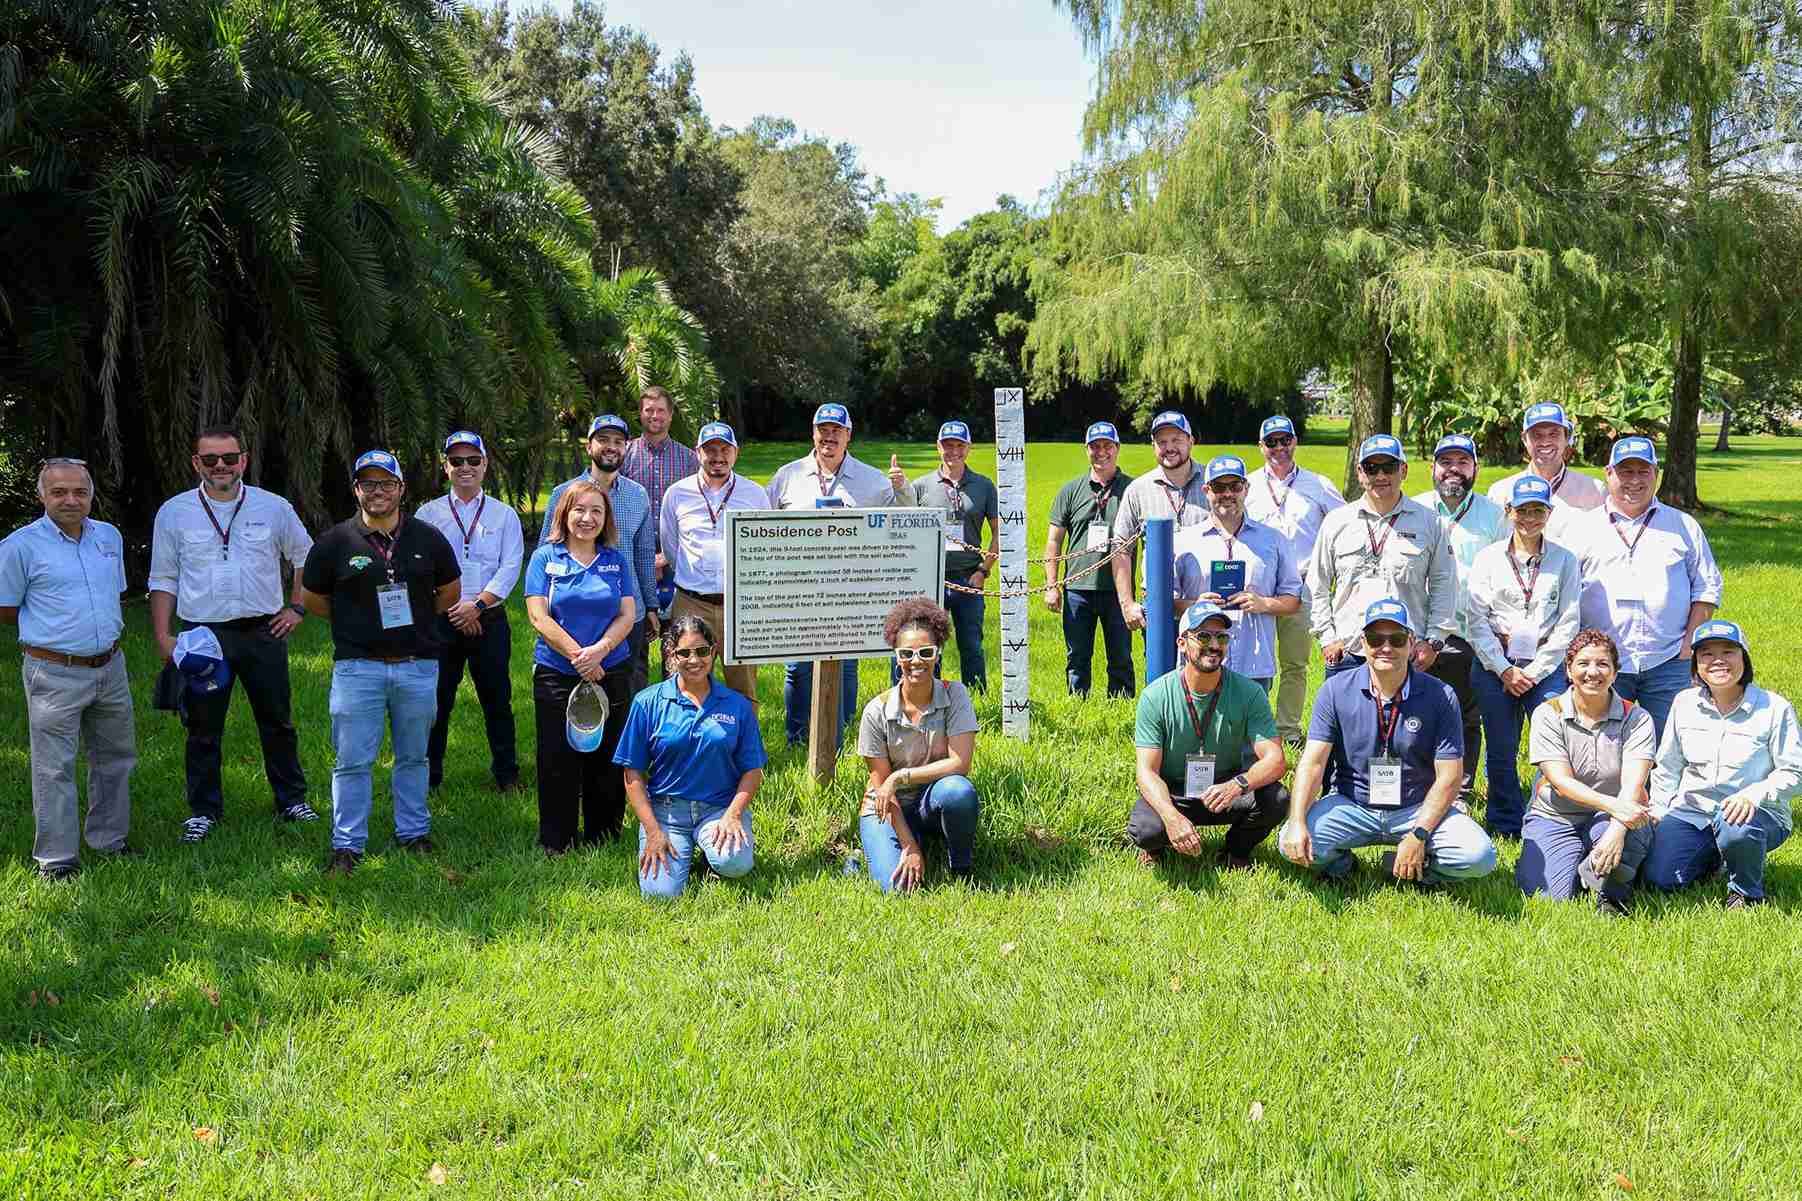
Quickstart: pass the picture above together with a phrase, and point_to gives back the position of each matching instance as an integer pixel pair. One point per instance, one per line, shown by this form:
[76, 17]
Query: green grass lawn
[489, 1024]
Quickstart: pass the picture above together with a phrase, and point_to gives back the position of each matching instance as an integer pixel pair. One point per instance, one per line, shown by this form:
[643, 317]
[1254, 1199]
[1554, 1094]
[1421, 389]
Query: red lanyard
[225, 535]
[1376, 548]
[724, 501]
[1386, 736]
[1229, 541]
[475, 523]
[1178, 502]
[376, 538]
[1526, 585]
[1200, 724]
[1271, 488]
[1645, 522]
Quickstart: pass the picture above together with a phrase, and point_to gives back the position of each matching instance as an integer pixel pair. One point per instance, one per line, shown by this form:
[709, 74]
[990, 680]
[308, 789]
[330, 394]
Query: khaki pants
[69, 710]
[741, 679]
[1294, 647]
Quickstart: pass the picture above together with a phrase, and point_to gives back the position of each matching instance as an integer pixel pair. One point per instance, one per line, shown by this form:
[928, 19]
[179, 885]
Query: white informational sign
[808, 584]
[1010, 482]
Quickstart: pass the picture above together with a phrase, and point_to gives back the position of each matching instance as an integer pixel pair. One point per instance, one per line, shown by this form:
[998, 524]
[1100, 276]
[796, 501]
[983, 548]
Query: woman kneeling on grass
[918, 739]
[1728, 767]
[694, 758]
[1589, 822]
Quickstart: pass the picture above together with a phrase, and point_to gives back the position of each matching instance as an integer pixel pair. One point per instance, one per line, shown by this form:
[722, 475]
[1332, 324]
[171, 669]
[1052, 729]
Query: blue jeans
[1458, 849]
[1682, 854]
[797, 699]
[1347, 661]
[1504, 717]
[1551, 851]
[966, 619]
[948, 806]
[1082, 610]
[687, 825]
[368, 695]
[1654, 689]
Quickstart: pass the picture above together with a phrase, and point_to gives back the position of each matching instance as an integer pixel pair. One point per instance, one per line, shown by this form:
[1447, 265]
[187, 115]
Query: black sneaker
[300, 811]
[1739, 900]
[416, 846]
[343, 863]
[1235, 863]
[196, 828]
[57, 872]
[1609, 906]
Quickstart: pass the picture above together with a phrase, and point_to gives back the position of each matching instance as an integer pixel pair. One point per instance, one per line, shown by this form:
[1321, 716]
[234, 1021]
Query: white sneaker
[196, 828]
[300, 811]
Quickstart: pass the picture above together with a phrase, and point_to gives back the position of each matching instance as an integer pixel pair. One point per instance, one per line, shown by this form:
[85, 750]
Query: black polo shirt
[346, 565]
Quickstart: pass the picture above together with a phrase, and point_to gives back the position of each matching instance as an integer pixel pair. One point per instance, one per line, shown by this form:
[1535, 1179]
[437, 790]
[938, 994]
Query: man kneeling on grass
[1394, 739]
[1193, 728]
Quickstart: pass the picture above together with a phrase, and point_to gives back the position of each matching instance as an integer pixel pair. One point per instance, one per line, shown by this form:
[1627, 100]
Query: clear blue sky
[959, 99]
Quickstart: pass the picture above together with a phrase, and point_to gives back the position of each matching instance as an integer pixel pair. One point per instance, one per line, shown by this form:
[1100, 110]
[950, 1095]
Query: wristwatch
[480, 606]
[299, 610]
[1421, 832]
[1242, 782]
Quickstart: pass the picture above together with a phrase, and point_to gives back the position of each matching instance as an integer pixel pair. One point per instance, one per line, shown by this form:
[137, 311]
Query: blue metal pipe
[1160, 597]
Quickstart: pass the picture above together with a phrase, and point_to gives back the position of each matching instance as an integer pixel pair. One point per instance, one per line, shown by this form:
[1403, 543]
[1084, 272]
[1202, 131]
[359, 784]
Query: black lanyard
[1200, 724]
[225, 535]
[955, 494]
[1458, 517]
[1645, 523]
[475, 523]
[1386, 736]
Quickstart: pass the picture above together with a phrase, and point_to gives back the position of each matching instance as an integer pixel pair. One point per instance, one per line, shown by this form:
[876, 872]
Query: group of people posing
[1444, 619]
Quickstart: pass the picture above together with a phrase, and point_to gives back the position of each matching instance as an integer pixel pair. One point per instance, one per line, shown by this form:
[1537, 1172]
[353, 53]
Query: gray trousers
[71, 707]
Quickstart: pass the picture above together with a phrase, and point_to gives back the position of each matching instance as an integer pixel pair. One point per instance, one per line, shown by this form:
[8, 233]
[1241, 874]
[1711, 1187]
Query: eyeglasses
[229, 458]
[464, 460]
[685, 653]
[1206, 639]
[908, 654]
[1278, 441]
[1380, 467]
[1398, 641]
[378, 485]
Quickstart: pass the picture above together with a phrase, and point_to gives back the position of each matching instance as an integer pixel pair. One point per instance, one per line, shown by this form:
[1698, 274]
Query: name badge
[224, 582]
[1097, 536]
[1625, 584]
[397, 610]
[1385, 783]
[1523, 644]
[1198, 775]
[828, 502]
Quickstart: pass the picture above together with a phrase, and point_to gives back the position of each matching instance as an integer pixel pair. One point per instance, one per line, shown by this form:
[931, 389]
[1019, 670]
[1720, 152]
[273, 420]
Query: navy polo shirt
[1429, 729]
[584, 600]
[695, 753]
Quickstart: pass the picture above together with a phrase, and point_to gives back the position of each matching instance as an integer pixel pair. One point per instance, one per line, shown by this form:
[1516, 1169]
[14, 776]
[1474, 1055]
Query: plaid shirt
[655, 470]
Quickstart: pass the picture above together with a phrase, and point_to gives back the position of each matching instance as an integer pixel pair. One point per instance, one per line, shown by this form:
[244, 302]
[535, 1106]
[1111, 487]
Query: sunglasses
[908, 654]
[378, 485]
[464, 460]
[685, 653]
[1277, 442]
[1220, 639]
[1398, 641]
[61, 461]
[229, 458]
[1386, 467]
[1229, 485]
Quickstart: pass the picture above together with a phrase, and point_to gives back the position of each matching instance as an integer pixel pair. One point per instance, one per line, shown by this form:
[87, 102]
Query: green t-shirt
[1080, 504]
[1242, 718]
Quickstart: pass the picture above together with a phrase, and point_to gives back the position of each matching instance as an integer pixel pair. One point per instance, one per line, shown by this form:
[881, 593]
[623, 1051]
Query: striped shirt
[655, 468]
[636, 530]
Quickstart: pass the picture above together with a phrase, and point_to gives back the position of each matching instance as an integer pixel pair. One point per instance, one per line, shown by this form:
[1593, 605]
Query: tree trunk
[1677, 486]
[1720, 439]
[1372, 399]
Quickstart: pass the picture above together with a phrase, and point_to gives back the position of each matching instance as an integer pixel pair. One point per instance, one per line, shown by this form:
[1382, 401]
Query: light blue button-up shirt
[637, 533]
[1475, 524]
[66, 590]
[1640, 578]
[1269, 571]
[1708, 756]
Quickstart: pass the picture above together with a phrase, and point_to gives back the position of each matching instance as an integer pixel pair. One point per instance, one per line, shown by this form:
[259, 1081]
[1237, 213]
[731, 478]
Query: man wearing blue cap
[1175, 489]
[829, 478]
[1084, 592]
[1382, 545]
[1393, 739]
[1471, 521]
[381, 581]
[970, 500]
[632, 518]
[1545, 431]
[1293, 501]
[1191, 733]
[1241, 566]
[60, 580]
[486, 534]
[217, 553]
[1649, 578]
[692, 529]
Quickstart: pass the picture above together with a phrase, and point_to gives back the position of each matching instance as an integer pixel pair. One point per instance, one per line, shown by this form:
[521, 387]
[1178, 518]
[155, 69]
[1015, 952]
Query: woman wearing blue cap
[1728, 767]
[1522, 607]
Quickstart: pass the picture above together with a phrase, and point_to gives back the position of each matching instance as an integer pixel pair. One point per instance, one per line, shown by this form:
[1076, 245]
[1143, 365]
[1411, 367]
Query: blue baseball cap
[1633, 448]
[716, 431]
[956, 430]
[1100, 430]
[832, 415]
[609, 421]
[1221, 466]
[201, 660]
[1276, 425]
[1545, 414]
[466, 438]
[1455, 442]
[1199, 612]
[377, 458]
[1529, 489]
[1379, 445]
[1171, 417]
[1717, 630]
[1390, 609]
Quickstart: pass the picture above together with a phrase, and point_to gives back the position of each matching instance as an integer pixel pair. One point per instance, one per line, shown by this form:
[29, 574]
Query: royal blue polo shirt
[693, 752]
[583, 600]
[1428, 729]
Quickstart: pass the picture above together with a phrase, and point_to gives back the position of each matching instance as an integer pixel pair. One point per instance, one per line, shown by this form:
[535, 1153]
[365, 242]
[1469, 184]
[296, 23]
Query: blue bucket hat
[716, 431]
[832, 415]
[466, 438]
[1545, 414]
[1100, 430]
[1633, 448]
[956, 430]
[1276, 425]
[201, 661]
[1199, 612]
[609, 421]
[377, 458]
[1221, 466]
[1455, 442]
[1378, 445]
[1717, 630]
[1170, 417]
[585, 717]
[1529, 489]
[1390, 609]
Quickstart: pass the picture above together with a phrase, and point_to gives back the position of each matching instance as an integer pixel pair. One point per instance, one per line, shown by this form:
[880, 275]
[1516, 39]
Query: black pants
[1453, 667]
[488, 656]
[573, 784]
[259, 661]
[1245, 828]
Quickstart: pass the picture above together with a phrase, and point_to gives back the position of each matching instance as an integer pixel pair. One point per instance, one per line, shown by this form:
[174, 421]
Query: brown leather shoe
[343, 863]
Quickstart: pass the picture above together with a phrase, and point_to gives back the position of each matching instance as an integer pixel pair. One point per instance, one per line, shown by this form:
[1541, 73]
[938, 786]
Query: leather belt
[393, 658]
[712, 598]
[68, 660]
